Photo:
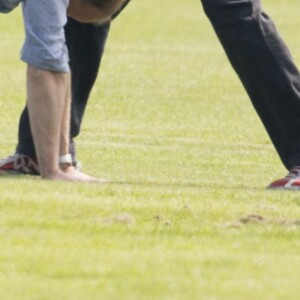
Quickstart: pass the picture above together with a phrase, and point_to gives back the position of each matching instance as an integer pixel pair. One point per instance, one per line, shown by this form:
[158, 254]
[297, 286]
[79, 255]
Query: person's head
[93, 11]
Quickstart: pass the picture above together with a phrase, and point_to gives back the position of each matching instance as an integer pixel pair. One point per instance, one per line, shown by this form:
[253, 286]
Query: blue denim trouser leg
[265, 67]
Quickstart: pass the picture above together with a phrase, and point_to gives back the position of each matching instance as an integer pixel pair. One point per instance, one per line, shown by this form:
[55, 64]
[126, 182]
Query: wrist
[65, 159]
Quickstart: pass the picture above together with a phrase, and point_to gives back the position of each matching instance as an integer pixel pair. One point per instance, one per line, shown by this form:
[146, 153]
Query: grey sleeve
[45, 45]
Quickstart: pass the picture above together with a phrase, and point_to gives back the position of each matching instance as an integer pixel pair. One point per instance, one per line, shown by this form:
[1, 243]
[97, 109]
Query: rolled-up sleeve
[45, 44]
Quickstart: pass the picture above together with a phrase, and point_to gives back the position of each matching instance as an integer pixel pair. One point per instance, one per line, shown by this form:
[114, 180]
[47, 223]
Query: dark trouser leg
[265, 67]
[86, 45]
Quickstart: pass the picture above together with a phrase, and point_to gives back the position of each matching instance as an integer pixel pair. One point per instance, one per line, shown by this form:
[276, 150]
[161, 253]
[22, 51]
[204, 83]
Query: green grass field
[187, 215]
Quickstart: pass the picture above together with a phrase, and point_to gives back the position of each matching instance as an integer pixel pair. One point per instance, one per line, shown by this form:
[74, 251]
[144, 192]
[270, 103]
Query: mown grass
[186, 215]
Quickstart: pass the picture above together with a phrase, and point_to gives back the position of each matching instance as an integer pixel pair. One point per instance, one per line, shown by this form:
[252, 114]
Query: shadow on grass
[195, 185]
[172, 185]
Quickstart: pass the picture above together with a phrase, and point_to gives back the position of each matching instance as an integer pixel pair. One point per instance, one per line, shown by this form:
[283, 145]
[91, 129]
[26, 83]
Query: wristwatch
[65, 159]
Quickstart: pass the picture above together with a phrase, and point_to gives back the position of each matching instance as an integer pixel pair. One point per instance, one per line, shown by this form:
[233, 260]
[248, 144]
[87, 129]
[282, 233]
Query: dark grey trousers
[265, 67]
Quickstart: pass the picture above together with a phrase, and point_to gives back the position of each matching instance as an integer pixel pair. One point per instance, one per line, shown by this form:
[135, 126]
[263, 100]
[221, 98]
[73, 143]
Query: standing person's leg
[265, 67]
[86, 45]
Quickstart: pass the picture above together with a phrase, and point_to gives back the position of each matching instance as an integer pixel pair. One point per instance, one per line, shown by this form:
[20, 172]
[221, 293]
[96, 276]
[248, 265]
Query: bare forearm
[47, 94]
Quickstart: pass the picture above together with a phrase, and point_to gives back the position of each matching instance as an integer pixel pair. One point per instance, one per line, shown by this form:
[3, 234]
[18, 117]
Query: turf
[186, 215]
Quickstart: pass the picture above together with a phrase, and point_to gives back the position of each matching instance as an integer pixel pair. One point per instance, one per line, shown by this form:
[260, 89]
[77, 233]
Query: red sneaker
[290, 182]
[19, 164]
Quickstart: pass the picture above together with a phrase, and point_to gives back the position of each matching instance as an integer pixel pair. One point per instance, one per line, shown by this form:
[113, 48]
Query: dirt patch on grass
[124, 218]
[263, 221]
[162, 220]
[252, 218]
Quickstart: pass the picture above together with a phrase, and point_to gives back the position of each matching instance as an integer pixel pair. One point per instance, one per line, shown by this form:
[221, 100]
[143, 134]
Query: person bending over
[48, 76]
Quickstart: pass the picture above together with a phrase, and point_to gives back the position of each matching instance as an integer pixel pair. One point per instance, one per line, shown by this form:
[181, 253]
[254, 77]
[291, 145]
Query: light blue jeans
[44, 21]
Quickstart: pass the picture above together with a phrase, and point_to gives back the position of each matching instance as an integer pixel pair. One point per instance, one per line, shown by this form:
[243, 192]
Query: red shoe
[19, 164]
[290, 182]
